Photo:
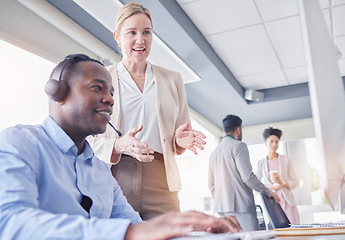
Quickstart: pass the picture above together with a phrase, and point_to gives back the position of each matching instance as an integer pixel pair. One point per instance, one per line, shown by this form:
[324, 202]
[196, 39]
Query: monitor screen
[276, 214]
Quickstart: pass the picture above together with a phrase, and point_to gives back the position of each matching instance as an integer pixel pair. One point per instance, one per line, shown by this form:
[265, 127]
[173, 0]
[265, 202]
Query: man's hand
[130, 145]
[236, 227]
[274, 187]
[275, 197]
[175, 224]
[189, 139]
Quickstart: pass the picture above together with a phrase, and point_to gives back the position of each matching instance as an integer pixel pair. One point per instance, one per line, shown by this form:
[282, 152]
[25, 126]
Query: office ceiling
[225, 47]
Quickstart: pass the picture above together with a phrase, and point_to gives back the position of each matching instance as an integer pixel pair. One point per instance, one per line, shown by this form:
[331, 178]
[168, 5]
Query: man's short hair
[231, 123]
[73, 69]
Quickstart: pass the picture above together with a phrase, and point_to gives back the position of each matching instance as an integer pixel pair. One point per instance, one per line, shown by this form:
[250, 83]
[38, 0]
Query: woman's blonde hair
[127, 11]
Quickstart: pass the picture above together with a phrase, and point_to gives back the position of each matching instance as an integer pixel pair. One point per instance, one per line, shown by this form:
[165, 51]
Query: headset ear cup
[56, 90]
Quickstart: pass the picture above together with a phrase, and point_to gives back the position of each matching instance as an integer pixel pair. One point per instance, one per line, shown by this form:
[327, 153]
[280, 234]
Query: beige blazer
[287, 174]
[172, 111]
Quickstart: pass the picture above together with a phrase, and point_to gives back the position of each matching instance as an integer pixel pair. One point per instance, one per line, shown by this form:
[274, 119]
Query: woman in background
[154, 99]
[284, 179]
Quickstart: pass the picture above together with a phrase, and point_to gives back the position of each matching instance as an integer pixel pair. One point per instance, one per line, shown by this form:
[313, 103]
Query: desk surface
[325, 237]
[328, 233]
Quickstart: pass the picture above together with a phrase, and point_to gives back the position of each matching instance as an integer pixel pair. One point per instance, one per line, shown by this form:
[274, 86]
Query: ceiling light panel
[226, 15]
[296, 75]
[263, 80]
[276, 9]
[245, 51]
[287, 41]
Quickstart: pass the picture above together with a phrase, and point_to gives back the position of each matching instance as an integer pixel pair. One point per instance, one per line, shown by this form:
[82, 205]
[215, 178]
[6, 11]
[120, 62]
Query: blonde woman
[151, 105]
[284, 179]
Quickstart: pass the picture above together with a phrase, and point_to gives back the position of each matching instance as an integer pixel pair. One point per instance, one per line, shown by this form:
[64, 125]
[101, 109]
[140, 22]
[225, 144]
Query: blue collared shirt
[42, 180]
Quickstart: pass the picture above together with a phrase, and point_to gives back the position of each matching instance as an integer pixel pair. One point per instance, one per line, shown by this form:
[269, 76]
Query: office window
[194, 174]
[23, 76]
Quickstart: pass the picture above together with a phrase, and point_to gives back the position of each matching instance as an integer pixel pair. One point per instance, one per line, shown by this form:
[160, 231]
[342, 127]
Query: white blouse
[139, 108]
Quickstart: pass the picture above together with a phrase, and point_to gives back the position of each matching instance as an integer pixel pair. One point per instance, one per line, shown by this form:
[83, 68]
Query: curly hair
[272, 131]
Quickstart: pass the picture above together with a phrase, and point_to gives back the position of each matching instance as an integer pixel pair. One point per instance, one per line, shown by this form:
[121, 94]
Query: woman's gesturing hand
[130, 145]
[187, 138]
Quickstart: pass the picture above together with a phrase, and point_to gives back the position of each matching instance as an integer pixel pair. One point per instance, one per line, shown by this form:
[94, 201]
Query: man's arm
[21, 218]
[245, 169]
[20, 213]
[121, 208]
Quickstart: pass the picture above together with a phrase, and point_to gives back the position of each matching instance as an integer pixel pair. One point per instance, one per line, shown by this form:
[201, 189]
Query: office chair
[277, 216]
[260, 216]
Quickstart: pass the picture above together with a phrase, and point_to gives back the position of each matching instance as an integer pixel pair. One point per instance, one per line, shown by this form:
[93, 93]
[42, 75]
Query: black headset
[56, 88]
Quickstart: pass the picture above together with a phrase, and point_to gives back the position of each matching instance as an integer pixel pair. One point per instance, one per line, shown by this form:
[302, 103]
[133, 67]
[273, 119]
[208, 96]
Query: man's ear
[237, 132]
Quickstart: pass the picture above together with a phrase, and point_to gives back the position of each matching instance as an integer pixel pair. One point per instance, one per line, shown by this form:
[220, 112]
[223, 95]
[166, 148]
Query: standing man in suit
[231, 179]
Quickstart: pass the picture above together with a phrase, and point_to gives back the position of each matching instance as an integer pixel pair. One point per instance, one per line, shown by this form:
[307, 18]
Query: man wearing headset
[52, 186]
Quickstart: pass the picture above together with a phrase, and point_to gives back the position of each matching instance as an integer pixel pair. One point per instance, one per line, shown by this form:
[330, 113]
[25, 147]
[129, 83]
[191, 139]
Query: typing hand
[175, 224]
[234, 222]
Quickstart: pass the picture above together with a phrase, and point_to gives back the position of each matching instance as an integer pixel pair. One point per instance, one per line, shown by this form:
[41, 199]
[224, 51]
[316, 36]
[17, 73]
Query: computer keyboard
[252, 235]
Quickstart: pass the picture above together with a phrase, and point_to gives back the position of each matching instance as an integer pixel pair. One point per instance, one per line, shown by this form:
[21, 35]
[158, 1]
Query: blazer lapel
[266, 169]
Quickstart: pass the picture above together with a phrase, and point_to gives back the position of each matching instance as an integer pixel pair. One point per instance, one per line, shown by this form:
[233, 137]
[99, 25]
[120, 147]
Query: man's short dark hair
[73, 69]
[272, 131]
[231, 123]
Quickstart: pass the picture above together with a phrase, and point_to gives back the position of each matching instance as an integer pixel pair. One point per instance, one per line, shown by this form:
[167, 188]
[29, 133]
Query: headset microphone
[117, 131]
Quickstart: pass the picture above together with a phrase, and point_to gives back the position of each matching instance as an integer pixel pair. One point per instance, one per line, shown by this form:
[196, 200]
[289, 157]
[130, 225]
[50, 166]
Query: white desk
[324, 237]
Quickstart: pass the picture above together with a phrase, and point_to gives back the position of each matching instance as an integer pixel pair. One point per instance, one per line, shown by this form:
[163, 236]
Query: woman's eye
[147, 32]
[131, 33]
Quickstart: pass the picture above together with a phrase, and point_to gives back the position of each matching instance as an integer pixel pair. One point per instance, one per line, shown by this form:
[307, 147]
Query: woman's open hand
[189, 139]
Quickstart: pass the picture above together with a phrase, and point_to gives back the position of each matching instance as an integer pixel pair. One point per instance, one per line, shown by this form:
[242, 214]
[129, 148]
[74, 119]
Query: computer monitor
[276, 214]
[327, 98]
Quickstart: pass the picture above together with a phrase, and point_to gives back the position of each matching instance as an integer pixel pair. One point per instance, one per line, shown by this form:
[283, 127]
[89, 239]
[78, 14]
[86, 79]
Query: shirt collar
[63, 141]
[57, 135]
[122, 69]
[228, 135]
